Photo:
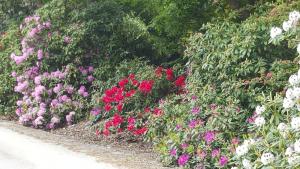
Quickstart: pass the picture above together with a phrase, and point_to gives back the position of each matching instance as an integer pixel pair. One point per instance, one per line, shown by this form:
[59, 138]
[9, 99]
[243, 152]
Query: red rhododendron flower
[131, 76]
[130, 93]
[158, 71]
[180, 81]
[97, 132]
[107, 107]
[147, 109]
[117, 120]
[106, 132]
[170, 74]
[146, 86]
[135, 82]
[157, 112]
[108, 124]
[140, 131]
[110, 92]
[131, 120]
[119, 97]
[120, 107]
[107, 99]
[130, 127]
[123, 82]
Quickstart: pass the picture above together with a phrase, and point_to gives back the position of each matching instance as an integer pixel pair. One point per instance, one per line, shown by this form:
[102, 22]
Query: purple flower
[64, 98]
[183, 159]
[54, 102]
[223, 161]
[82, 90]
[42, 111]
[209, 137]
[19, 111]
[70, 89]
[13, 74]
[91, 69]
[37, 80]
[194, 97]
[67, 39]
[184, 146]
[90, 78]
[19, 103]
[173, 152]
[192, 124]
[57, 88]
[215, 153]
[195, 110]
[40, 54]
[96, 111]
[85, 94]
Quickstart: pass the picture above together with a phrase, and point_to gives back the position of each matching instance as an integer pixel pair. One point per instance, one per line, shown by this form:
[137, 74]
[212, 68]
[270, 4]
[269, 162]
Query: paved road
[19, 151]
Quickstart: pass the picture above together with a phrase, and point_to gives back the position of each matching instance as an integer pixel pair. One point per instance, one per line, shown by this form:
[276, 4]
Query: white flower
[289, 93]
[288, 103]
[295, 123]
[282, 127]
[260, 109]
[294, 16]
[234, 168]
[297, 146]
[275, 31]
[294, 80]
[259, 121]
[293, 160]
[247, 164]
[289, 151]
[296, 92]
[286, 25]
[267, 158]
[298, 48]
[242, 150]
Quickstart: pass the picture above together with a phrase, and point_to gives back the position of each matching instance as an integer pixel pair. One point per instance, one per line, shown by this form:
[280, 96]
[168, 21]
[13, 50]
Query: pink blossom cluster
[88, 73]
[47, 97]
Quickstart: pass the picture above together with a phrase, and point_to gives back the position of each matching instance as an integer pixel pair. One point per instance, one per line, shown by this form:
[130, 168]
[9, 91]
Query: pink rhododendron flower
[173, 152]
[67, 39]
[37, 80]
[40, 54]
[223, 161]
[192, 124]
[183, 159]
[95, 111]
[57, 88]
[13, 74]
[215, 153]
[209, 137]
[90, 78]
[195, 110]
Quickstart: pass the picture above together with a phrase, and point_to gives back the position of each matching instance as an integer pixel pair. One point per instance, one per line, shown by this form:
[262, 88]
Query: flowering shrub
[227, 73]
[127, 105]
[274, 140]
[49, 98]
[189, 127]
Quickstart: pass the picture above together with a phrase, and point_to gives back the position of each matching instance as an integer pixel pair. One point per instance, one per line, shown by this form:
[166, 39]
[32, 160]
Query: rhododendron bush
[50, 94]
[273, 138]
[127, 105]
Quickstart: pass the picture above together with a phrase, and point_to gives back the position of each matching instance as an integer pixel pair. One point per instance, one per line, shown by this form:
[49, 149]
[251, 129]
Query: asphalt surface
[18, 151]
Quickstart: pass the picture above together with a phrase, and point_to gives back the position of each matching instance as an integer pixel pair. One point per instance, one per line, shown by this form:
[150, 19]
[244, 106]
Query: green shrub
[230, 65]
